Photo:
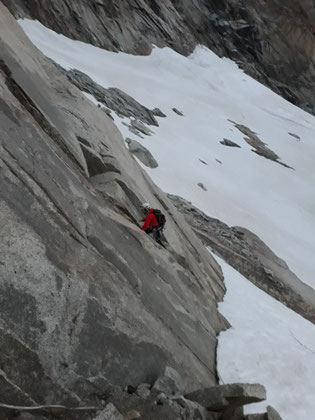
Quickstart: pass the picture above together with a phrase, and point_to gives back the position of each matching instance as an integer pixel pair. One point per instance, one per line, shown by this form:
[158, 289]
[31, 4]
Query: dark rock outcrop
[259, 146]
[89, 303]
[113, 98]
[272, 41]
[249, 255]
[229, 143]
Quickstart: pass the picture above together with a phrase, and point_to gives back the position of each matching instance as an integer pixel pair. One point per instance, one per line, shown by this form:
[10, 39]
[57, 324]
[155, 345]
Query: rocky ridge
[249, 255]
[272, 41]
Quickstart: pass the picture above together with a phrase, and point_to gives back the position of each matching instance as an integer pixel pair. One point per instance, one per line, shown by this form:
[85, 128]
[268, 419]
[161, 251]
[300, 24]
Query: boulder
[143, 391]
[221, 397]
[143, 154]
[170, 383]
[193, 410]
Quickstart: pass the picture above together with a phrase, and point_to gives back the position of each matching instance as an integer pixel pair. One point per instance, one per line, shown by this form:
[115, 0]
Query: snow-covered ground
[268, 343]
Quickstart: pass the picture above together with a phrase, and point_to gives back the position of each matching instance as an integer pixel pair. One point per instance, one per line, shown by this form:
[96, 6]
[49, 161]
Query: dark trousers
[157, 233]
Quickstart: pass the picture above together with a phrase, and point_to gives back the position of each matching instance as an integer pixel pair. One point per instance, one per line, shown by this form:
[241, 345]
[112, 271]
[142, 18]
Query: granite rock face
[88, 302]
[272, 41]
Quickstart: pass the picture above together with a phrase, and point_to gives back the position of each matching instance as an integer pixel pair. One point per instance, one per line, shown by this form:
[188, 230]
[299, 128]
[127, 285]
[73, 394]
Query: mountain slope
[272, 40]
[265, 185]
[80, 282]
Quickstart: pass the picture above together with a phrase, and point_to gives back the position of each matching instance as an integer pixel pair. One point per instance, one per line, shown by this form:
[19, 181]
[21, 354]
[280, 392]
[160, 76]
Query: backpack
[159, 217]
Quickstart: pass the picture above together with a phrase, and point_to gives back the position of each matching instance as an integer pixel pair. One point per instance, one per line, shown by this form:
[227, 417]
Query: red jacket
[150, 221]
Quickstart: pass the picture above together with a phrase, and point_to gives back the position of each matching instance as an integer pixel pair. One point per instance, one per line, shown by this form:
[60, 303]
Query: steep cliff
[87, 299]
[272, 40]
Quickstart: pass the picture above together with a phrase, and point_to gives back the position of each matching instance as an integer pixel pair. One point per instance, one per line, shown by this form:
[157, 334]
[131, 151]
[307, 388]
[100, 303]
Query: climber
[154, 222]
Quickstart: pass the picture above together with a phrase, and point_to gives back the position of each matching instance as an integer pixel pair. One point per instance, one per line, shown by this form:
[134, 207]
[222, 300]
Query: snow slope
[268, 344]
[276, 203]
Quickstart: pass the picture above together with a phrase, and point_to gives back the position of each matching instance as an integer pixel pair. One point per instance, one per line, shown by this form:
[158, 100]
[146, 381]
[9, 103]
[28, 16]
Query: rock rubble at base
[165, 401]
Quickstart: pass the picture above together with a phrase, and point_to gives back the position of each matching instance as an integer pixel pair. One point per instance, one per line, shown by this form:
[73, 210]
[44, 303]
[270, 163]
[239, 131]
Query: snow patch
[269, 344]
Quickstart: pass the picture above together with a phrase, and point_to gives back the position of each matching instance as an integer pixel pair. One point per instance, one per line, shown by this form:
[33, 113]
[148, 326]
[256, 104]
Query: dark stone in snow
[200, 184]
[229, 143]
[202, 161]
[178, 112]
[298, 138]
